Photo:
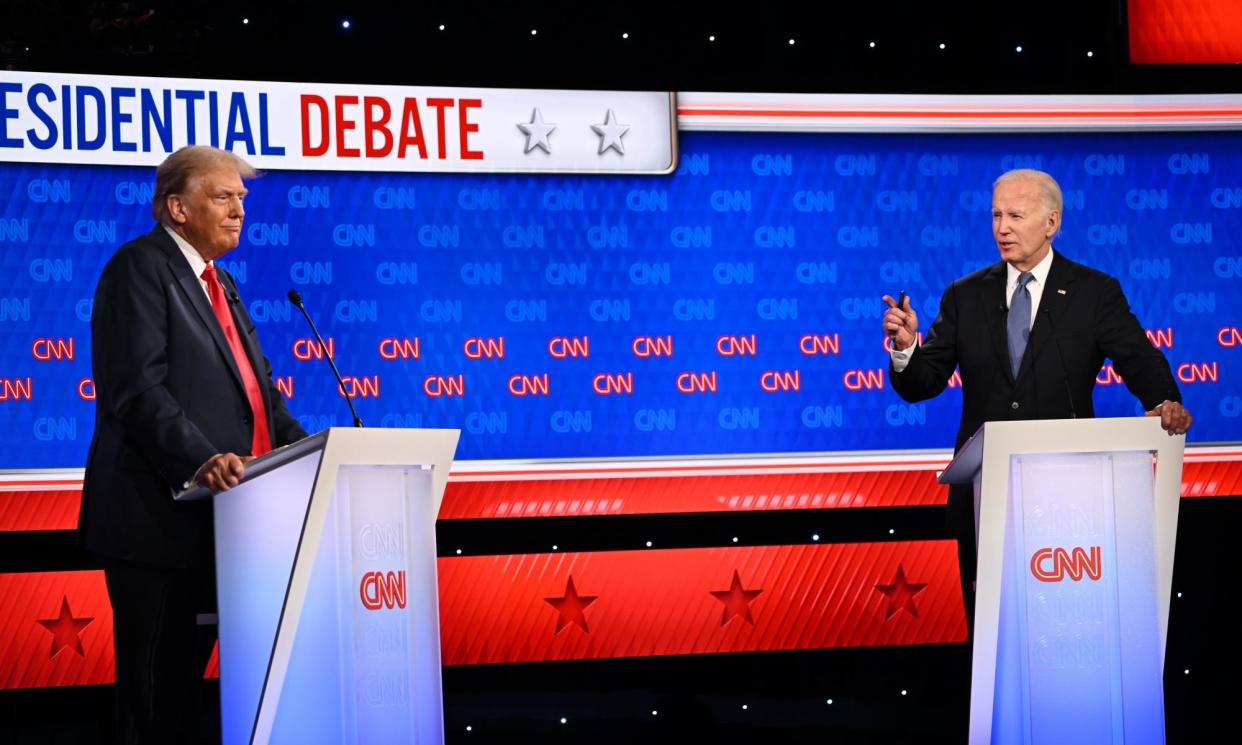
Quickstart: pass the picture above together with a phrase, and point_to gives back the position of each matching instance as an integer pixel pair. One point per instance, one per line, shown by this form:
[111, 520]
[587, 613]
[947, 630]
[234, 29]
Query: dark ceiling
[1067, 47]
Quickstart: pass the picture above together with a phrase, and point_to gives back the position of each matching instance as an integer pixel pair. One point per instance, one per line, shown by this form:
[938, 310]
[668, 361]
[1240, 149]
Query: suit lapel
[994, 305]
[1056, 297]
[192, 288]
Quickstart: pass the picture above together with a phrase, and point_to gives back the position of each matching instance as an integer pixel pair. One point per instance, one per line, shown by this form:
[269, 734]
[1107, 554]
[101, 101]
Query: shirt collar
[197, 265]
[1040, 270]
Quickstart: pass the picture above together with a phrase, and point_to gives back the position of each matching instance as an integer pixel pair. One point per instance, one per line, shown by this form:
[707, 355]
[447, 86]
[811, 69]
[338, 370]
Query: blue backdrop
[783, 243]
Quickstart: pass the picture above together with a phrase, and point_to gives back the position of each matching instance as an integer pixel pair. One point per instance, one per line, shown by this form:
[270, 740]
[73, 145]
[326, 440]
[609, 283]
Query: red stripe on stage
[55, 630]
[40, 509]
[521, 608]
[673, 494]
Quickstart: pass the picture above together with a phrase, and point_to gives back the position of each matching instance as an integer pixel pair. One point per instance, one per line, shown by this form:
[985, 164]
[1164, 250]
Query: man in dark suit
[184, 397]
[1029, 334]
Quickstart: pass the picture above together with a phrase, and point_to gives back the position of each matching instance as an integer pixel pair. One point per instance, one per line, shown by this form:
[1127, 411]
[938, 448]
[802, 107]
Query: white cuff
[901, 357]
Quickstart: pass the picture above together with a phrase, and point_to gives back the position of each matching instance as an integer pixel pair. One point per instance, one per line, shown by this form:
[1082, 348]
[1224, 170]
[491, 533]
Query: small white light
[1018, 49]
[625, 35]
[469, 728]
[459, 552]
[903, 691]
[1187, 671]
[534, 31]
[1090, 53]
[815, 536]
[245, 21]
[791, 42]
[735, 539]
[712, 37]
[654, 712]
[871, 45]
[441, 26]
[554, 546]
[564, 720]
[648, 544]
[891, 531]
[942, 45]
[745, 707]
[830, 702]
[1179, 594]
[345, 23]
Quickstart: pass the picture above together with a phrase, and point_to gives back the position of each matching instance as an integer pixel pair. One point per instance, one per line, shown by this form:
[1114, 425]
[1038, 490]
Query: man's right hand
[901, 324]
[221, 472]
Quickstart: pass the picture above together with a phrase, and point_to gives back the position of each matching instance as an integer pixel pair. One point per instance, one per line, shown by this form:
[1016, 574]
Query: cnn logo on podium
[383, 590]
[1055, 564]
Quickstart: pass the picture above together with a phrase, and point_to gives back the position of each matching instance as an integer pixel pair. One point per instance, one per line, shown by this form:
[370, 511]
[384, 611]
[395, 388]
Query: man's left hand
[1174, 417]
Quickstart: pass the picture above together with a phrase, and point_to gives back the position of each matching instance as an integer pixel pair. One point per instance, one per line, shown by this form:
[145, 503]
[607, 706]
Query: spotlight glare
[534, 31]
[1018, 49]
[942, 45]
[564, 720]
[441, 26]
[1090, 53]
[712, 37]
[245, 21]
[625, 35]
[791, 42]
[871, 45]
[345, 23]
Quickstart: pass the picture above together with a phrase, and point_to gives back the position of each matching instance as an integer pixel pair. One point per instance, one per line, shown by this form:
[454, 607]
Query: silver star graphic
[610, 133]
[537, 132]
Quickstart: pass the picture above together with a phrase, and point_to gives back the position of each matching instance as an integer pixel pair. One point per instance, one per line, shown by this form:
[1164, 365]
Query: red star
[901, 594]
[65, 629]
[570, 606]
[736, 601]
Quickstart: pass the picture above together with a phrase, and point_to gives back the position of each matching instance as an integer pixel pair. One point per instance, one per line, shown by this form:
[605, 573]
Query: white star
[610, 133]
[537, 132]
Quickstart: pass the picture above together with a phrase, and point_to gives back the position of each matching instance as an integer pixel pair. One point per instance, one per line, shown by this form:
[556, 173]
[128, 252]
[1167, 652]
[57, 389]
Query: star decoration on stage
[901, 594]
[610, 134]
[537, 132]
[571, 607]
[65, 629]
[736, 601]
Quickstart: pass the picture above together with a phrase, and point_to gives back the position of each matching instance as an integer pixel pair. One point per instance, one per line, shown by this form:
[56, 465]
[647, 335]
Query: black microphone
[296, 299]
[1061, 361]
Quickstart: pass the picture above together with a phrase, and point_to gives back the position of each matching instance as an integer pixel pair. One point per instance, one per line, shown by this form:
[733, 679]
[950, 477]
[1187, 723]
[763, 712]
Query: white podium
[1076, 523]
[326, 582]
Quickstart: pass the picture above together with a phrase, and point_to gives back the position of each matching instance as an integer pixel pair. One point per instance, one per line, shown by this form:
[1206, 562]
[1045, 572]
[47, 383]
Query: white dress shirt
[901, 357]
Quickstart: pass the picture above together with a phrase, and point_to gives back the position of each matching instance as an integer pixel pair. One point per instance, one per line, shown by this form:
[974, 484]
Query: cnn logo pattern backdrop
[730, 308]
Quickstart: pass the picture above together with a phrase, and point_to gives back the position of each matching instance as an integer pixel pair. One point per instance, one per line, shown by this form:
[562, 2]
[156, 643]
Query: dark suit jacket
[1092, 321]
[168, 397]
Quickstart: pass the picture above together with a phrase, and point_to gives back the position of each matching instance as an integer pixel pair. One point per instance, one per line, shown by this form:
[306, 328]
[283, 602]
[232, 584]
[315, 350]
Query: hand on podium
[222, 471]
[1174, 417]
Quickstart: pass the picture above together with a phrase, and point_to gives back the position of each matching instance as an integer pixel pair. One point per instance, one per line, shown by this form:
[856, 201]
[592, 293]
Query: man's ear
[1054, 222]
[176, 209]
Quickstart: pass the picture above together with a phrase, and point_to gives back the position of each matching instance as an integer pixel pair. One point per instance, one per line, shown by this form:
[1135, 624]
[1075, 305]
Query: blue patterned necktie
[1019, 325]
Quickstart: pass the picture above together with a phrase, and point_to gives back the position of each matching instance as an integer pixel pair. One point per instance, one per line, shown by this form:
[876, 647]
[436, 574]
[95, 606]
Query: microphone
[296, 298]
[1061, 361]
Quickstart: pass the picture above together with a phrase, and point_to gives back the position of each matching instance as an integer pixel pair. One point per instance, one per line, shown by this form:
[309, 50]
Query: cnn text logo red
[383, 590]
[1053, 564]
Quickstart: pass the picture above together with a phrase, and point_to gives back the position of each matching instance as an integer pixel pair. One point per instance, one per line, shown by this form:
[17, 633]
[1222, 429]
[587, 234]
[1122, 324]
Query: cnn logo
[383, 590]
[1054, 564]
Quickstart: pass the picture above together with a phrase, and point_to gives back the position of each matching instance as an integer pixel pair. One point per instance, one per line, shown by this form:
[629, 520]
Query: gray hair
[1049, 190]
[175, 174]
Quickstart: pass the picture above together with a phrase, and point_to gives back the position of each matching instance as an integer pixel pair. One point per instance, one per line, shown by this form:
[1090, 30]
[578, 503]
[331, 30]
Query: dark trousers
[161, 651]
[960, 520]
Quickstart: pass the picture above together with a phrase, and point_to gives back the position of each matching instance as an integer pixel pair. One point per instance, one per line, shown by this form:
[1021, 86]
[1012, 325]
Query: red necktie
[262, 441]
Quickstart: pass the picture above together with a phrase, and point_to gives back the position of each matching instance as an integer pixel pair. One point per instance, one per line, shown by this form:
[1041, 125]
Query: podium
[1076, 522]
[326, 583]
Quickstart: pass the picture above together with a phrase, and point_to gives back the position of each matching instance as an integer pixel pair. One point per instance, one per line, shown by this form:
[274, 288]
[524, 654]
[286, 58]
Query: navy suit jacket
[168, 397]
[1083, 308]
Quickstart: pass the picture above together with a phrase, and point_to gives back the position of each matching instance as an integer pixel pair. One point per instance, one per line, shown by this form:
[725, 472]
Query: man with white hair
[1029, 334]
